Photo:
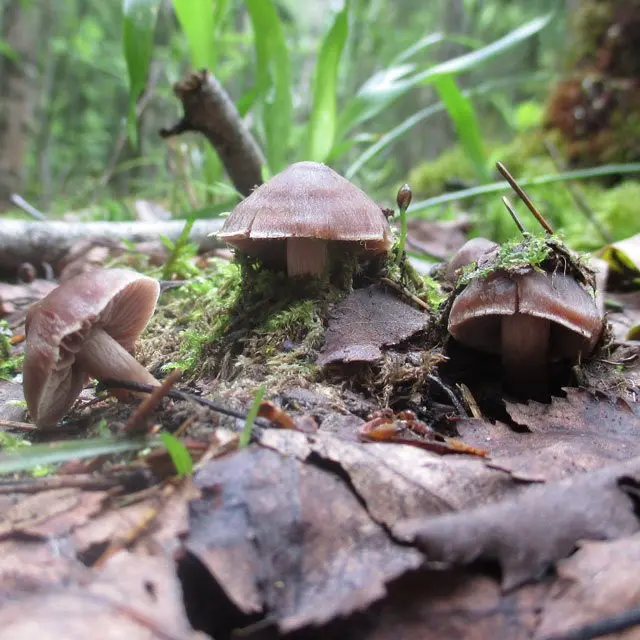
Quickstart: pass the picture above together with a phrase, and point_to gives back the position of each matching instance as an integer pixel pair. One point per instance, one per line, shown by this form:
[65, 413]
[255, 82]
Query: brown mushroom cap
[471, 251]
[88, 325]
[301, 209]
[529, 319]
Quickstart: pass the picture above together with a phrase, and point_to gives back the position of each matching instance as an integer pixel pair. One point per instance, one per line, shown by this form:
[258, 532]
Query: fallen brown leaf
[599, 581]
[573, 434]
[364, 322]
[290, 538]
[528, 534]
[439, 239]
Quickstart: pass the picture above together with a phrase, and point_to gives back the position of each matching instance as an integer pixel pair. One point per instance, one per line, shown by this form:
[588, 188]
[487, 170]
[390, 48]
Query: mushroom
[529, 318]
[87, 326]
[294, 219]
[471, 251]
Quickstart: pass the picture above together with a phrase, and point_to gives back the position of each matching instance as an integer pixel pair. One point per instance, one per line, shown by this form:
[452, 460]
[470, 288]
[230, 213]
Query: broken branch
[209, 110]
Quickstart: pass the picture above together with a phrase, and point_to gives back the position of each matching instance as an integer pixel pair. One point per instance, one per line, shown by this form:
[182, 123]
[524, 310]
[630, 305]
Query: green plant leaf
[384, 87]
[138, 27]
[322, 124]
[28, 458]
[179, 454]
[175, 249]
[496, 187]
[417, 47]
[245, 434]
[465, 122]
[199, 20]
[273, 80]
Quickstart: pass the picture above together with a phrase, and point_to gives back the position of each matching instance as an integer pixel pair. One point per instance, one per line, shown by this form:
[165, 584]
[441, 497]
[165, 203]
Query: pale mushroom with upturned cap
[295, 218]
[87, 326]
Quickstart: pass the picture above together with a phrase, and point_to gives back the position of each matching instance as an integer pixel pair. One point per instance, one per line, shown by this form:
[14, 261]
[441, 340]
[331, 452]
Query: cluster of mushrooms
[303, 220]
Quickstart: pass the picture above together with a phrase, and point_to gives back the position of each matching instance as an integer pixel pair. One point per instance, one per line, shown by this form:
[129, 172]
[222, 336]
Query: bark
[39, 242]
[209, 110]
[17, 93]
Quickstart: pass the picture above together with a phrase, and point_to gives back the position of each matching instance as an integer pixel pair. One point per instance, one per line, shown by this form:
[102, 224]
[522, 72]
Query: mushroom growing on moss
[87, 326]
[300, 215]
[529, 316]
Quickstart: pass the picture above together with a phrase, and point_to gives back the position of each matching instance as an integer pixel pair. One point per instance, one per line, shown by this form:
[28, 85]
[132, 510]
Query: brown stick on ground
[209, 110]
[46, 241]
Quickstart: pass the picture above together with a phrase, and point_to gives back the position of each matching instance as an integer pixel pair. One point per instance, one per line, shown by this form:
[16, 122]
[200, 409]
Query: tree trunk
[17, 93]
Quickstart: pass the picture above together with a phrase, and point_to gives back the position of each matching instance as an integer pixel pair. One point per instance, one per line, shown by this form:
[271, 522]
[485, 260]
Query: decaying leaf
[623, 258]
[364, 322]
[396, 481]
[599, 581]
[290, 538]
[573, 434]
[134, 597]
[437, 238]
[526, 535]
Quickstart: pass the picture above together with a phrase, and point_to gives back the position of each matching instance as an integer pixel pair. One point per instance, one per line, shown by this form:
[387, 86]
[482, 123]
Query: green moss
[430, 178]
[9, 364]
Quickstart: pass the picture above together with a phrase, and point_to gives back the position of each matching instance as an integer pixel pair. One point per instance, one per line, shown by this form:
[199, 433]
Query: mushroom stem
[103, 357]
[306, 256]
[525, 349]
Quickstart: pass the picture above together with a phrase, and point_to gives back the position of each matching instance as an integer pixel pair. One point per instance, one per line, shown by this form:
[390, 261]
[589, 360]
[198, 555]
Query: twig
[514, 215]
[577, 196]
[452, 396]
[81, 481]
[19, 201]
[38, 242]
[522, 194]
[18, 426]
[179, 395]
[400, 289]
[209, 110]
[606, 626]
[137, 422]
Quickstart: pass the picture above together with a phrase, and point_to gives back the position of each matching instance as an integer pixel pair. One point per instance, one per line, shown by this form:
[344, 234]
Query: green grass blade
[418, 47]
[386, 86]
[139, 23]
[27, 458]
[273, 79]
[179, 454]
[197, 19]
[465, 122]
[393, 135]
[245, 434]
[497, 187]
[323, 121]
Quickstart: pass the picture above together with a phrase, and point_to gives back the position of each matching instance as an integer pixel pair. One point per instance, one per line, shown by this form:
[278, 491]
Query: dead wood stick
[38, 242]
[209, 110]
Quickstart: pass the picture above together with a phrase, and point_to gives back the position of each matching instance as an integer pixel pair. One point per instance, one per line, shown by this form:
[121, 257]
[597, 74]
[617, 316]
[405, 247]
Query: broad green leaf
[497, 187]
[139, 25]
[387, 86]
[245, 435]
[322, 124]
[197, 19]
[465, 122]
[273, 80]
[179, 454]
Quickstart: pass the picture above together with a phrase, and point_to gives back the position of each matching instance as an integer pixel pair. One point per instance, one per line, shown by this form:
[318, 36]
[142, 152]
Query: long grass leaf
[322, 124]
[393, 135]
[385, 87]
[197, 19]
[463, 116]
[417, 47]
[273, 80]
[139, 23]
[245, 435]
[27, 458]
[178, 453]
[496, 187]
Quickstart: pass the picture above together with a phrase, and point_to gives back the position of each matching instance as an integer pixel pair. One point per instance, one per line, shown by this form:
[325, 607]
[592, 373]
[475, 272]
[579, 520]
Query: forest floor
[390, 489]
